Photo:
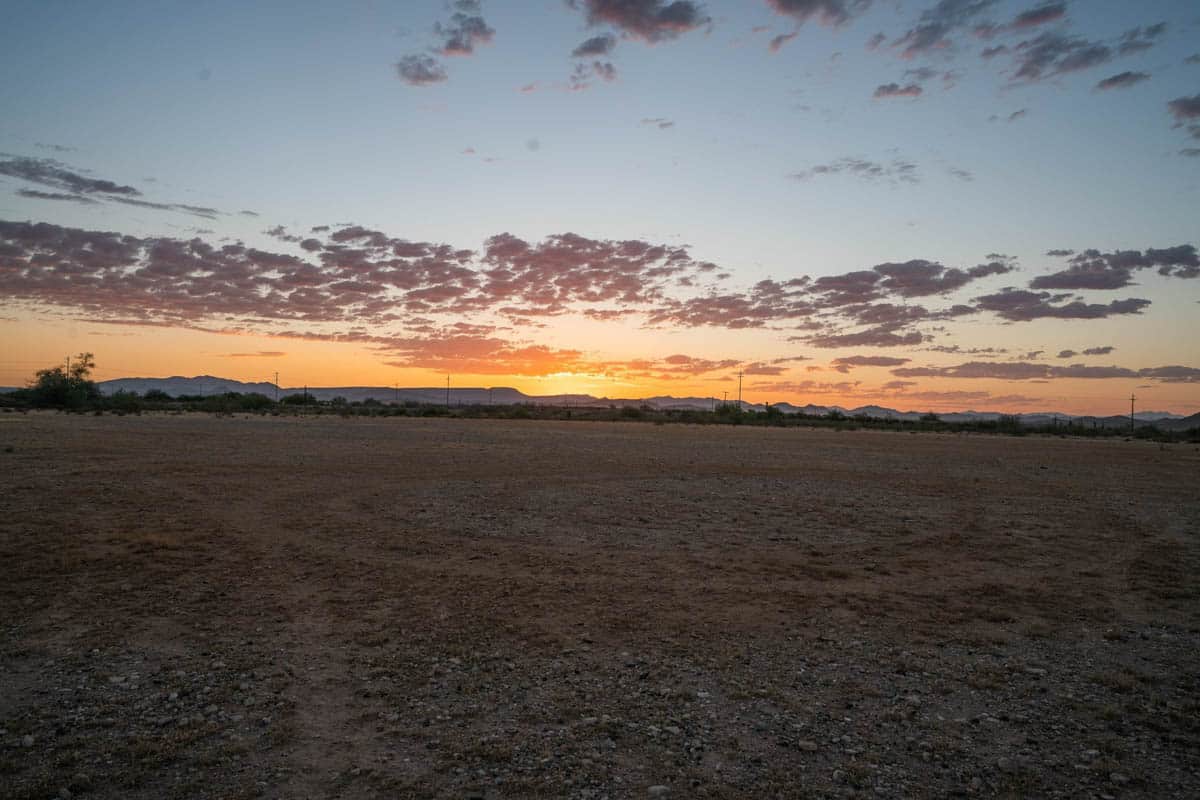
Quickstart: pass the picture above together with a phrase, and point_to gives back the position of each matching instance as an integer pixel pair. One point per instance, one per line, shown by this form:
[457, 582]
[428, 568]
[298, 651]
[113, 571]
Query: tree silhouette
[69, 387]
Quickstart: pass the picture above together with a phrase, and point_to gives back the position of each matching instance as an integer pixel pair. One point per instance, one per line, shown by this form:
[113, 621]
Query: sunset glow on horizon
[951, 205]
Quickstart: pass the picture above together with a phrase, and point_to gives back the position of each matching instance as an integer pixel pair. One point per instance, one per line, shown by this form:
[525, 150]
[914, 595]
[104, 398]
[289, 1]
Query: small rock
[64, 793]
[659, 791]
[26, 741]
[1118, 778]
[807, 744]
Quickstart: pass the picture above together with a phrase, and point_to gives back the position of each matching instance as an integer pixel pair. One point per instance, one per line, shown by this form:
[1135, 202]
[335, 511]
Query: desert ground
[200, 606]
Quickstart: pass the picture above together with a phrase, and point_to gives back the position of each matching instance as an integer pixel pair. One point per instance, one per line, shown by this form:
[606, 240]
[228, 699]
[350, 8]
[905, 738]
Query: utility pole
[740, 391]
[1132, 397]
[276, 387]
[725, 399]
[447, 392]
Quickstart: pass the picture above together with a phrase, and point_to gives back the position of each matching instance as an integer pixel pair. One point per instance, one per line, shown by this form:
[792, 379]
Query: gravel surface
[215, 607]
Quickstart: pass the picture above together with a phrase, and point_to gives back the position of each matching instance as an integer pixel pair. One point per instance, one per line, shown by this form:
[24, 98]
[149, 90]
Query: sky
[939, 205]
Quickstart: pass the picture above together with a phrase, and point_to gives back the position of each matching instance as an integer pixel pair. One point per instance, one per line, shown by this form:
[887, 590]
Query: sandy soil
[193, 606]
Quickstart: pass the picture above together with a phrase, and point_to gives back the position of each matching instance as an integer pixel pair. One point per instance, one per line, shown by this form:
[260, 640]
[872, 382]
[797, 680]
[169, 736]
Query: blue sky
[772, 164]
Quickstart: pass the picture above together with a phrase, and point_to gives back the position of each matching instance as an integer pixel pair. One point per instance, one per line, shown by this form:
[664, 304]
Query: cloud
[198, 211]
[896, 90]
[352, 274]
[1092, 269]
[659, 122]
[246, 213]
[1190, 152]
[84, 190]
[1136, 40]
[1053, 54]
[1172, 374]
[1018, 305]
[73, 198]
[876, 41]
[953, 348]
[596, 46]
[1194, 58]
[921, 73]
[481, 355]
[882, 336]
[920, 278]
[47, 172]
[1122, 80]
[581, 76]
[937, 23]
[829, 12]
[805, 387]
[759, 368]
[777, 42]
[649, 20]
[1024, 371]
[57, 148]
[420, 70]
[1041, 15]
[899, 171]
[1099, 351]
[1031, 18]
[465, 31]
[1066, 354]
[1182, 109]
[845, 365]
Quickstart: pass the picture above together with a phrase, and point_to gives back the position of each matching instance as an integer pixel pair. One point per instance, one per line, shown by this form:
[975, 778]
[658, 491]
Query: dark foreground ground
[194, 606]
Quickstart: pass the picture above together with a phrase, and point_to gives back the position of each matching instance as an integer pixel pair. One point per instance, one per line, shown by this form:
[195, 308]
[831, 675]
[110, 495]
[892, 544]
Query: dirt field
[194, 606]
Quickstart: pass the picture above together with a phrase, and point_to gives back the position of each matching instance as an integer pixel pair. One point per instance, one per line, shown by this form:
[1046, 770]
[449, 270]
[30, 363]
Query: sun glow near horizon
[858, 211]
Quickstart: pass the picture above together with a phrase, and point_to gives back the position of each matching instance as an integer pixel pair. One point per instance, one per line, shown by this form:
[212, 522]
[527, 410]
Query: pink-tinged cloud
[1026, 371]
[651, 21]
[776, 44]
[828, 12]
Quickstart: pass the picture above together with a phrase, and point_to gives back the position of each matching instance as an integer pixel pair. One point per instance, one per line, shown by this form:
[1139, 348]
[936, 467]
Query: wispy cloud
[1122, 80]
[896, 90]
[897, 171]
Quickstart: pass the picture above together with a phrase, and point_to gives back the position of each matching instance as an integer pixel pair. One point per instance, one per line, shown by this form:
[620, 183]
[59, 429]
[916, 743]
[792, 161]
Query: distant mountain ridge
[503, 395]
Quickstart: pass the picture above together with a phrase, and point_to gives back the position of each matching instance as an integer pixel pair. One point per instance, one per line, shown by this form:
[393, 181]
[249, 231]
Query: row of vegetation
[71, 389]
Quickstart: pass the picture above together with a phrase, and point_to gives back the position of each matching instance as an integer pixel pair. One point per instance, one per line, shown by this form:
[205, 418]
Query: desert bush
[124, 402]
